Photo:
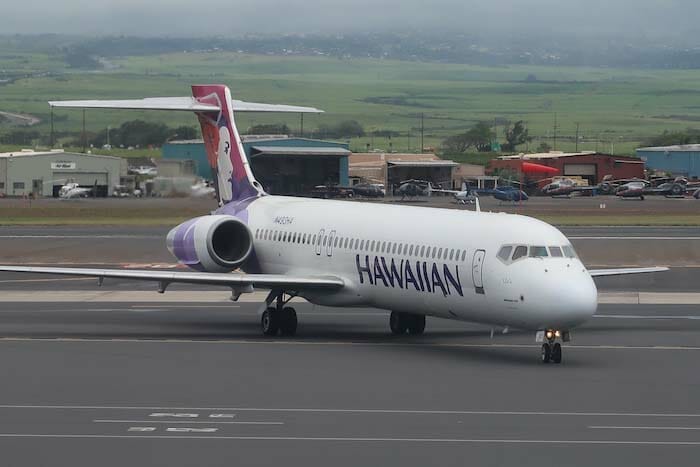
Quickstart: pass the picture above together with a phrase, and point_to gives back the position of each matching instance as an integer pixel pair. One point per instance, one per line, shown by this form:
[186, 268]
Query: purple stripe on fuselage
[183, 244]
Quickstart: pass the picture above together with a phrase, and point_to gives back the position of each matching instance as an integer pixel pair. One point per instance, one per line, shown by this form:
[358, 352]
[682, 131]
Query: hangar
[677, 160]
[390, 169]
[589, 165]
[42, 173]
[283, 165]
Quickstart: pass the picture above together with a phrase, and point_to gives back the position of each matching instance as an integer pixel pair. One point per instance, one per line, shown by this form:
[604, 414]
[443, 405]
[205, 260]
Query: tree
[185, 132]
[480, 136]
[455, 144]
[516, 135]
[544, 147]
[269, 129]
[344, 129]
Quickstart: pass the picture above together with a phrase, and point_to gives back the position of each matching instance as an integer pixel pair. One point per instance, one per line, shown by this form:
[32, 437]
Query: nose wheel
[551, 348]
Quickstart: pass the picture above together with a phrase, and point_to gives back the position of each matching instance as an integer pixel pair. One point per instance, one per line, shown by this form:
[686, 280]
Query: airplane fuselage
[431, 261]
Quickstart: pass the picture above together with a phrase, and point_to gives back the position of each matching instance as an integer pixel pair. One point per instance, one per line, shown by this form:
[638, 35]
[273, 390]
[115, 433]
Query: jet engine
[216, 243]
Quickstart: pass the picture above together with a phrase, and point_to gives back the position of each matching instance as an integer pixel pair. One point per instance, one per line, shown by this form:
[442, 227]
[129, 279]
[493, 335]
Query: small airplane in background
[509, 193]
[72, 190]
[369, 190]
[464, 196]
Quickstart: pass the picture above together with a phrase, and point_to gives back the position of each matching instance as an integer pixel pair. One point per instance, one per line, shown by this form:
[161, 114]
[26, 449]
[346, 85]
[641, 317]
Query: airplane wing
[186, 103]
[625, 271]
[266, 281]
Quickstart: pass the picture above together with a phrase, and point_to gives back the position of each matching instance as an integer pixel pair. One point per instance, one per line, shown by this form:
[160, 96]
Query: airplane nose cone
[581, 300]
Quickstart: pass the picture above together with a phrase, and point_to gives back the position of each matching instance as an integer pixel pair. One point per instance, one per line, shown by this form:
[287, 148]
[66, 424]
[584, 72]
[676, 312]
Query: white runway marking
[361, 440]
[60, 279]
[85, 237]
[155, 340]
[631, 238]
[189, 422]
[355, 411]
[645, 427]
[648, 316]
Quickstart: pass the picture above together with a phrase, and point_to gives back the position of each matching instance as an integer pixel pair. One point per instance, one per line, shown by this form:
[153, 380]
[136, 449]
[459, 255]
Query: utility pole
[577, 125]
[51, 136]
[555, 131]
[84, 134]
[408, 140]
[301, 126]
[421, 134]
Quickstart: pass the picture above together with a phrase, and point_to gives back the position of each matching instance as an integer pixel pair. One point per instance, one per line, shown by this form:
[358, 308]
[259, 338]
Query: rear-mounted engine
[215, 243]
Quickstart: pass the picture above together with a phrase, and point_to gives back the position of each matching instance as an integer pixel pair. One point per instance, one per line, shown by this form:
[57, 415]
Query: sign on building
[63, 165]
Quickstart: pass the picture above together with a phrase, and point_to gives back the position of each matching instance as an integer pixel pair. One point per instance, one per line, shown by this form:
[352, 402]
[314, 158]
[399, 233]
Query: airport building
[680, 160]
[390, 169]
[43, 173]
[588, 165]
[283, 165]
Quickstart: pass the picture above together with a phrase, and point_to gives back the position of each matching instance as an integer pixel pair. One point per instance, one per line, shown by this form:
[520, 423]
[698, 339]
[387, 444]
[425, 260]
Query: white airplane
[463, 196]
[73, 190]
[492, 268]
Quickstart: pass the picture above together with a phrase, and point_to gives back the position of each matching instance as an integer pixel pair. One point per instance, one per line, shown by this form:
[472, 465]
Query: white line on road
[155, 340]
[63, 279]
[648, 316]
[208, 422]
[355, 411]
[361, 440]
[79, 237]
[632, 238]
[644, 427]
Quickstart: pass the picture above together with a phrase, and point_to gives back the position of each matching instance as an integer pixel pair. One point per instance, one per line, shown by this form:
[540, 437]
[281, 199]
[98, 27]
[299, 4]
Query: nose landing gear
[551, 349]
[278, 319]
[402, 323]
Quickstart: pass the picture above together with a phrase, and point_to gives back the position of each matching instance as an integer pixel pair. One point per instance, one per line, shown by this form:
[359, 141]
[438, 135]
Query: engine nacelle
[216, 243]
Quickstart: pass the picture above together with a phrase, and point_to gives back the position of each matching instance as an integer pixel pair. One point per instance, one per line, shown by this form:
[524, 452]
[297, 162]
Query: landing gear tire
[397, 323]
[556, 353]
[288, 323]
[416, 324]
[270, 322]
[546, 353]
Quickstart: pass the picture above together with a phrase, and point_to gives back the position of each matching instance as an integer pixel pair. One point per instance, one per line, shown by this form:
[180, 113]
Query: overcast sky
[645, 18]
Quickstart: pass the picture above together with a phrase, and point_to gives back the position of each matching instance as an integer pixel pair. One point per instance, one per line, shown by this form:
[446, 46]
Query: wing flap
[625, 271]
[203, 278]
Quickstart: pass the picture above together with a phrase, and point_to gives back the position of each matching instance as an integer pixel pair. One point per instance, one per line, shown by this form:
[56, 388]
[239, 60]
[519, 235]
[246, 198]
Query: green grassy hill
[615, 108]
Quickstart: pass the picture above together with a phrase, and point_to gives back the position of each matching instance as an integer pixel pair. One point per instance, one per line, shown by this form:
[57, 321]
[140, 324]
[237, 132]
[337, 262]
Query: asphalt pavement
[184, 384]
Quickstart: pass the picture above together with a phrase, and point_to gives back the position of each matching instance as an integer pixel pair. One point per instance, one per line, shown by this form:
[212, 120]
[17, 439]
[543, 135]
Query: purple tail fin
[233, 179]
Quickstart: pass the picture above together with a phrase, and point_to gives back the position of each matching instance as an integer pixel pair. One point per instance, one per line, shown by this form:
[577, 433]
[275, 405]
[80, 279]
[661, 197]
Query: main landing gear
[402, 323]
[551, 349]
[279, 319]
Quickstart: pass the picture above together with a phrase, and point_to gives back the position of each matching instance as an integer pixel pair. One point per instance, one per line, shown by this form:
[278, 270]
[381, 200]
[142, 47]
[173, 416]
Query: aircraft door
[329, 246]
[319, 241]
[478, 270]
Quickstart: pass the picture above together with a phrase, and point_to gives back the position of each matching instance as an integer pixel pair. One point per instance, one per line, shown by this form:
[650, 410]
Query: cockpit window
[538, 252]
[568, 251]
[555, 252]
[504, 253]
[520, 251]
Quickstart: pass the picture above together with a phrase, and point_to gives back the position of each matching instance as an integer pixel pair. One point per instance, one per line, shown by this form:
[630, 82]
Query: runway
[195, 384]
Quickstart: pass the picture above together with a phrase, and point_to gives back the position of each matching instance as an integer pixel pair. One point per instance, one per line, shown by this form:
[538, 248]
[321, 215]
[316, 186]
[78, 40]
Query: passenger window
[555, 252]
[324, 240]
[520, 251]
[335, 242]
[538, 252]
[383, 247]
[303, 239]
[439, 255]
[422, 250]
[452, 254]
[314, 240]
[568, 251]
[393, 249]
[504, 253]
[464, 254]
[371, 247]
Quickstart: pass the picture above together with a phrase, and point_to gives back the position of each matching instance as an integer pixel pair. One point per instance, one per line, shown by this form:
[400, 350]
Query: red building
[589, 165]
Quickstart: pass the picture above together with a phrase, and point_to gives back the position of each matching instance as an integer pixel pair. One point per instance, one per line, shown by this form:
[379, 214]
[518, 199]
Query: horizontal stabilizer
[186, 103]
[624, 271]
[265, 281]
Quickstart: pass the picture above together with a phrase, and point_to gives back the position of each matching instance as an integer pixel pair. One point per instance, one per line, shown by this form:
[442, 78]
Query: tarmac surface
[121, 375]
[182, 384]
